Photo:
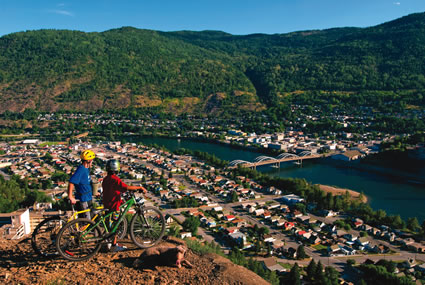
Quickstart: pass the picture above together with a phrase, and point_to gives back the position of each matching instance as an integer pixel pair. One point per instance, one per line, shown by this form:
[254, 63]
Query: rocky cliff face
[20, 265]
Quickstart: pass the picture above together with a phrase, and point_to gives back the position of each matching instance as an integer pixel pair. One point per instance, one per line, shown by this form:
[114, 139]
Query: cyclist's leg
[84, 206]
[114, 246]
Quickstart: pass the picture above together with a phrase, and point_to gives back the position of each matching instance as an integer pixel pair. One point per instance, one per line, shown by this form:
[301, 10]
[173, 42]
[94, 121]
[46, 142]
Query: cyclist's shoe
[117, 248]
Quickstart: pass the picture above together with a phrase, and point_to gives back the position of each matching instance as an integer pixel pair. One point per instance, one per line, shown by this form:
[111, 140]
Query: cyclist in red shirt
[113, 186]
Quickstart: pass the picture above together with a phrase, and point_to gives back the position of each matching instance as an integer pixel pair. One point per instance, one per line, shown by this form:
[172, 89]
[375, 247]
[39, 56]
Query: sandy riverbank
[341, 191]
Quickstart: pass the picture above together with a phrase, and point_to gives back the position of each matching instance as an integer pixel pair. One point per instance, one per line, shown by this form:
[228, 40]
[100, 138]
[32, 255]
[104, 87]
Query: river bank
[341, 191]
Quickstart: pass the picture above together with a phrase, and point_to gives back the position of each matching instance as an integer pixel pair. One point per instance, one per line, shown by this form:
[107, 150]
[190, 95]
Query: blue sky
[237, 17]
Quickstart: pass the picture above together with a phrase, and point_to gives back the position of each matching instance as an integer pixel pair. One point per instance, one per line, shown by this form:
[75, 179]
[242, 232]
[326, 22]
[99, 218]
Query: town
[276, 226]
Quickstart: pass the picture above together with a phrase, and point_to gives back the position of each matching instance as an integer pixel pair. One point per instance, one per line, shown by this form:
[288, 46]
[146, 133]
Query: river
[394, 194]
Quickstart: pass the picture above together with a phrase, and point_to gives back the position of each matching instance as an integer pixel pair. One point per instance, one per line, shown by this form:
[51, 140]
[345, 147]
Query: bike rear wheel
[43, 238]
[79, 240]
[147, 227]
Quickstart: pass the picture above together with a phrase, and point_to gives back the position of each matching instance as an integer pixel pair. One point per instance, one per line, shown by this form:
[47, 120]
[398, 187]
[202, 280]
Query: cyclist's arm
[70, 193]
[130, 187]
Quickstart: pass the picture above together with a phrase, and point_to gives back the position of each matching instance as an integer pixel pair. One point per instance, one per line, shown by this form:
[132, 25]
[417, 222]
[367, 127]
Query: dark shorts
[84, 206]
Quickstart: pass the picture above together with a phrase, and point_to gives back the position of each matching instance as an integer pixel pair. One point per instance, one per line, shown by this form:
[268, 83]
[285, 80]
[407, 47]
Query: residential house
[303, 219]
[269, 238]
[363, 241]
[333, 249]
[273, 219]
[231, 230]
[211, 223]
[168, 219]
[267, 215]
[315, 240]
[259, 212]
[328, 213]
[296, 214]
[288, 226]
[374, 231]
[17, 223]
[280, 222]
[193, 212]
[239, 238]
[238, 222]
[292, 199]
[272, 265]
[229, 217]
[303, 234]
[273, 206]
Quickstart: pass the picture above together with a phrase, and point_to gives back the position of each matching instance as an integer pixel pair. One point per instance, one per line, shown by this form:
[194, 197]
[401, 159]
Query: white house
[19, 222]
[292, 199]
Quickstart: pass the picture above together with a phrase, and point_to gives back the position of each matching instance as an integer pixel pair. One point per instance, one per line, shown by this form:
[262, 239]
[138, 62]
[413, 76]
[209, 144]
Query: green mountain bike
[81, 239]
[43, 238]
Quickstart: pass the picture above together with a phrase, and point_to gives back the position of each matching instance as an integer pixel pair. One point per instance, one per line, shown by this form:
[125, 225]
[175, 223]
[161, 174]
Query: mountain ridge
[52, 70]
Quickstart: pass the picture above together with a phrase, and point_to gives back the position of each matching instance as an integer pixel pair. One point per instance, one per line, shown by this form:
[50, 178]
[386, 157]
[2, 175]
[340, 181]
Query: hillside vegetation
[205, 71]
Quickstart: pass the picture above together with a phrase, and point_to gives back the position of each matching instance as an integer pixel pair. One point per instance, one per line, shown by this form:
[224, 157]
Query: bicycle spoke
[44, 236]
[79, 240]
[147, 228]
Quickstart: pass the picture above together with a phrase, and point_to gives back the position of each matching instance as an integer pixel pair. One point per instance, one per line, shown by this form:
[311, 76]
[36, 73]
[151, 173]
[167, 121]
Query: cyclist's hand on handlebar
[72, 201]
[142, 189]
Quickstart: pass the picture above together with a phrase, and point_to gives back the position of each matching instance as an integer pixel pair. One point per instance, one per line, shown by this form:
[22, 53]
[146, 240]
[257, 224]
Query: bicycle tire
[147, 227]
[73, 246]
[44, 236]
[122, 229]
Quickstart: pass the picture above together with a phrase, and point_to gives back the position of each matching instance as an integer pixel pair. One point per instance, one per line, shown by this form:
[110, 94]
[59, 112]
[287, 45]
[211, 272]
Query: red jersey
[112, 188]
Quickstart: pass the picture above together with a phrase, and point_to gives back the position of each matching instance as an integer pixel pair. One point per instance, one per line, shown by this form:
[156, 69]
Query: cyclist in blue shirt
[81, 182]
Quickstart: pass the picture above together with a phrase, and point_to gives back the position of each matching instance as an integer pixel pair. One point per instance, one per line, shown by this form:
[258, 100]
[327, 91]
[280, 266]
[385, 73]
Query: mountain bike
[81, 239]
[44, 236]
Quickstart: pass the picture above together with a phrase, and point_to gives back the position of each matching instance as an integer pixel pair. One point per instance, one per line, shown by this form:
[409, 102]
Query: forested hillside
[208, 71]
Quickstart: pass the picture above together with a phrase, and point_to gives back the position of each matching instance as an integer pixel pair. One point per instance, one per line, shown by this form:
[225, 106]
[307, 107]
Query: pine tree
[319, 275]
[331, 275]
[311, 270]
[301, 253]
[294, 275]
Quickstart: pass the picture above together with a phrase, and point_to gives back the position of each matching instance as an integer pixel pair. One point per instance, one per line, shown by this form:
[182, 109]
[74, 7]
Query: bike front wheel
[79, 240]
[43, 238]
[147, 227]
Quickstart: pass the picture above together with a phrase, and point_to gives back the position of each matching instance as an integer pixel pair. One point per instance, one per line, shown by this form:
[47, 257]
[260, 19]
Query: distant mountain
[204, 71]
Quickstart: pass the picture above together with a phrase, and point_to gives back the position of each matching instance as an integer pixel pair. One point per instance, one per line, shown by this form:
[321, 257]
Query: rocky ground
[20, 265]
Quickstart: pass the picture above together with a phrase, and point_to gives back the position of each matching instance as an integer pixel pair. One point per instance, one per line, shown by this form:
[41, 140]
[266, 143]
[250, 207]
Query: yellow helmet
[87, 155]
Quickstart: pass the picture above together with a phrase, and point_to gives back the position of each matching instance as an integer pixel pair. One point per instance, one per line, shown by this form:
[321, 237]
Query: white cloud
[397, 3]
[62, 12]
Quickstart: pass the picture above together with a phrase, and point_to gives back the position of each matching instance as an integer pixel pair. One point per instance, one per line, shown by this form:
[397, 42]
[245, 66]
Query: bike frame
[76, 213]
[124, 208]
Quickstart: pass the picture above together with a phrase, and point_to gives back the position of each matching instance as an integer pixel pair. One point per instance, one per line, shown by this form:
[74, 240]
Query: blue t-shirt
[82, 181]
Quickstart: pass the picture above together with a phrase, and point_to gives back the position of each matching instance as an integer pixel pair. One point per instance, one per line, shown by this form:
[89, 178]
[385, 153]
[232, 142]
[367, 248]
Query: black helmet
[113, 165]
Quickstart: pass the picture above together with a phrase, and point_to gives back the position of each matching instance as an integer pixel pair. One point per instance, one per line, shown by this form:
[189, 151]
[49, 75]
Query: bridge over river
[275, 161]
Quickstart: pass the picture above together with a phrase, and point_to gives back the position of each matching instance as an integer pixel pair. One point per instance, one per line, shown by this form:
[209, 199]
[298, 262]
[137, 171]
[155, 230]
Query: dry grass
[341, 191]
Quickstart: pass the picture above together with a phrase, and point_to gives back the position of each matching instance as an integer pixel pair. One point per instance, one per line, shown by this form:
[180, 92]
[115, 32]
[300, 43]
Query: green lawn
[320, 247]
